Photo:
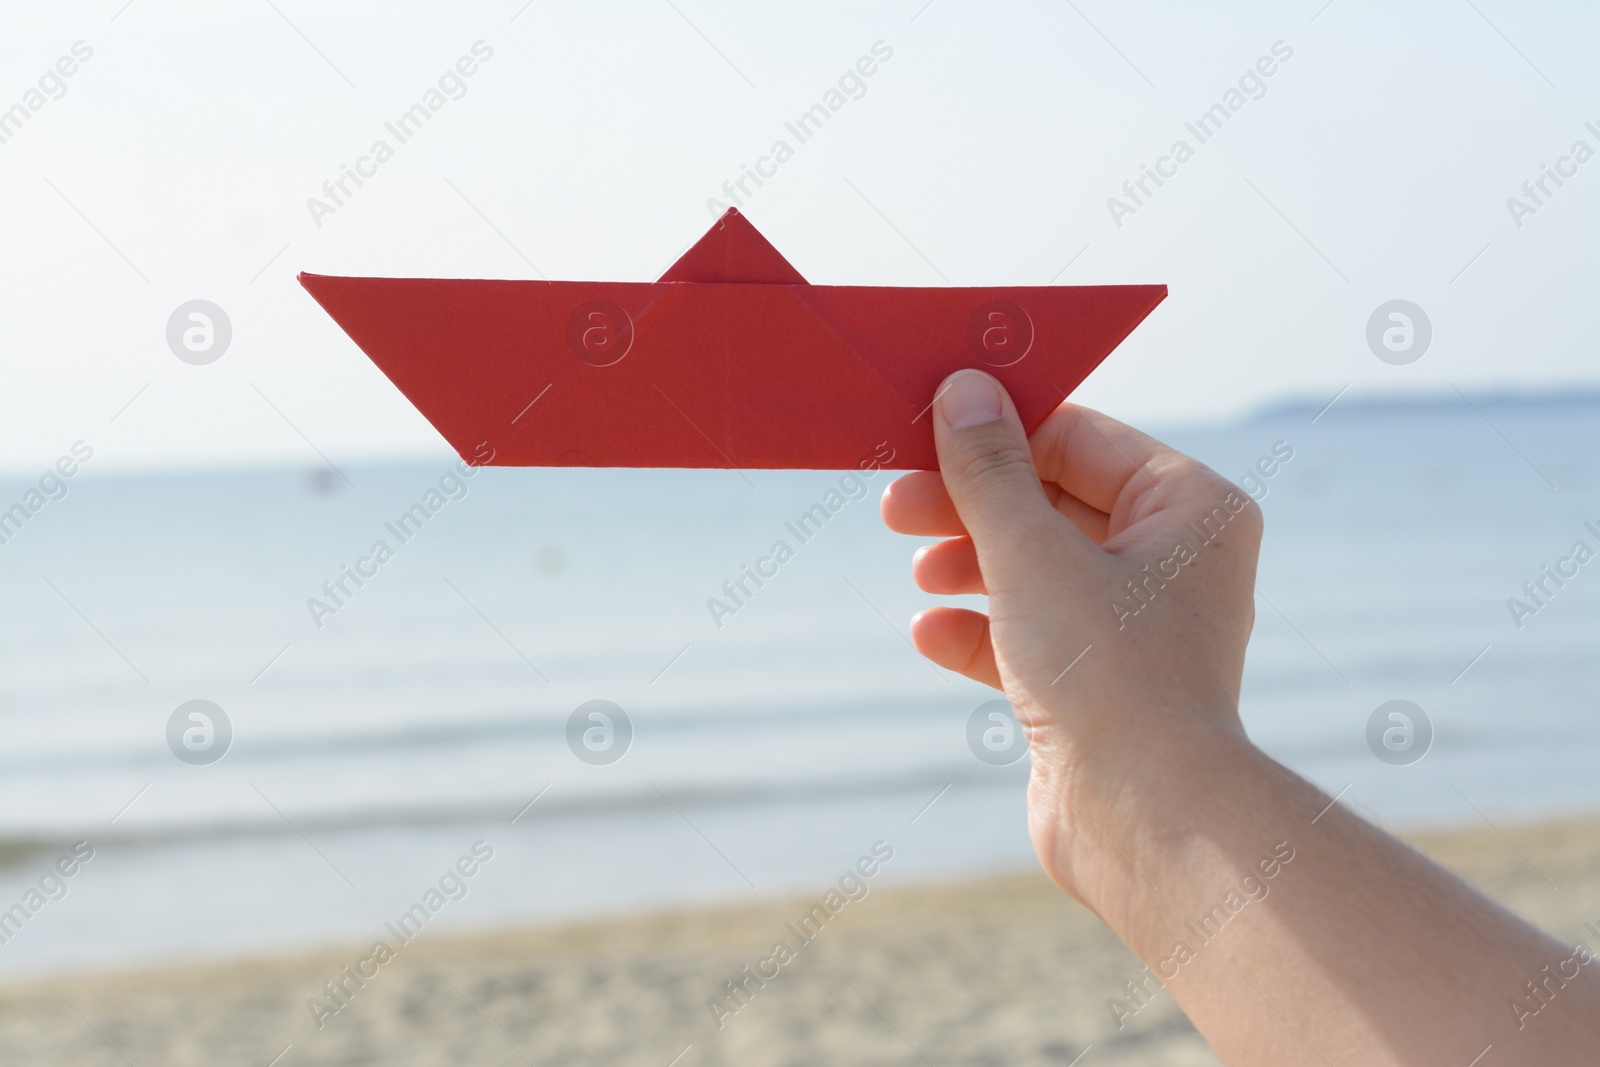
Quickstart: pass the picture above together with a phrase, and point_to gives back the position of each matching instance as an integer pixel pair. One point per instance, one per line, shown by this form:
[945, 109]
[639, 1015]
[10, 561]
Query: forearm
[1292, 931]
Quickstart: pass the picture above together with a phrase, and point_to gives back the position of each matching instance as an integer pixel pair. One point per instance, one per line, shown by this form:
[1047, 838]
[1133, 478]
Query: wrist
[1108, 826]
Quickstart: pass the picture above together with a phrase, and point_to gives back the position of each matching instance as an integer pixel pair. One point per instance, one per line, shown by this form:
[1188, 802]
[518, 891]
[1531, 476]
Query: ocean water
[376, 739]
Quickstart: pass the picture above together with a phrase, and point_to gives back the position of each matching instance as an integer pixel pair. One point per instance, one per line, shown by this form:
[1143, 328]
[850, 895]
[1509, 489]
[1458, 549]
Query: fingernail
[969, 398]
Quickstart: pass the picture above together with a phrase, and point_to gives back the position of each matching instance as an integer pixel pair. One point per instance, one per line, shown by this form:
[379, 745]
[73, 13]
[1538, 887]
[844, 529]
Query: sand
[1003, 970]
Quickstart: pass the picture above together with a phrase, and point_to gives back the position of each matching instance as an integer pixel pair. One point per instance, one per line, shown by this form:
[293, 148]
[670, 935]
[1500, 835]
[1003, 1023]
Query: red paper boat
[731, 360]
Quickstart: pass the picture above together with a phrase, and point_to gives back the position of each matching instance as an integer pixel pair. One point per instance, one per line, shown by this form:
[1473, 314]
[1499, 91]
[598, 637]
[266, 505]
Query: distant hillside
[1389, 404]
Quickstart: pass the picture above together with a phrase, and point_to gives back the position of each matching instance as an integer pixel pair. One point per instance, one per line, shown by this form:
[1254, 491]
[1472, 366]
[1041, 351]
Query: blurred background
[1381, 267]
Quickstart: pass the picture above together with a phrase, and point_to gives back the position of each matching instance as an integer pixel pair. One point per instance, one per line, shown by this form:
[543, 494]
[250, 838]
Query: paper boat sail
[731, 359]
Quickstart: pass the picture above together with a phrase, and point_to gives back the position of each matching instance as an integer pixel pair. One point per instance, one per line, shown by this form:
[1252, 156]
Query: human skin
[1146, 801]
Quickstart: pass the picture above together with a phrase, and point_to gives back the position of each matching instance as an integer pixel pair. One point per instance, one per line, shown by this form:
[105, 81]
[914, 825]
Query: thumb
[988, 472]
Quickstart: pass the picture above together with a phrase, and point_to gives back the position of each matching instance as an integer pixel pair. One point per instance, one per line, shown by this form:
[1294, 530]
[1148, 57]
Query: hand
[1119, 574]
[1120, 581]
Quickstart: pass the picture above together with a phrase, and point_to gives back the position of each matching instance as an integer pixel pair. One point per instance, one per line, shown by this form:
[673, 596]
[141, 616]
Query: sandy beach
[998, 970]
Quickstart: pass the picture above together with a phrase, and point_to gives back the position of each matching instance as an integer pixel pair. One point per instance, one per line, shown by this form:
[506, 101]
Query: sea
[356, 740]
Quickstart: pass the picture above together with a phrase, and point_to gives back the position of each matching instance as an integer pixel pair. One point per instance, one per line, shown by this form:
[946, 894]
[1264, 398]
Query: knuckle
[995, 459]
[1253, 518]
[1247, 516]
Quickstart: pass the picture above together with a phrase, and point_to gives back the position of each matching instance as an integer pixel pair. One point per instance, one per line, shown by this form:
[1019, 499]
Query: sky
[1377, 162]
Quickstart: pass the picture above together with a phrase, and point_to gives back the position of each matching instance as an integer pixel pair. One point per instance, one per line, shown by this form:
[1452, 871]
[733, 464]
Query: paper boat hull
[715, 374]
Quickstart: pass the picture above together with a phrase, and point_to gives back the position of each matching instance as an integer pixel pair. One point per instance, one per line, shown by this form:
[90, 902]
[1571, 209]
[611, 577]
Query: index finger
[1096, 458]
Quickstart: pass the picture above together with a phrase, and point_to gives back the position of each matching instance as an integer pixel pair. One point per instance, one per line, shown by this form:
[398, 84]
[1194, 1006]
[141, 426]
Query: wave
[456, 733]
[543, 806]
